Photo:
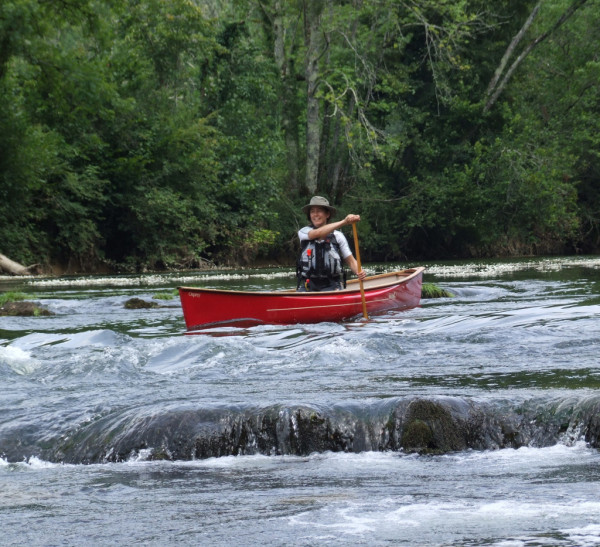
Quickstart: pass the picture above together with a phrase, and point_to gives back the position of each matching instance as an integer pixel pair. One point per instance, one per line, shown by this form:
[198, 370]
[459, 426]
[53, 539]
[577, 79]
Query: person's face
[319, 216]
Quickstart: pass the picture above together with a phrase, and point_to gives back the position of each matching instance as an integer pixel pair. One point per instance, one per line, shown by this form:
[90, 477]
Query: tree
[502, 74]
[281, 33]
[163, 133]
[43, 180]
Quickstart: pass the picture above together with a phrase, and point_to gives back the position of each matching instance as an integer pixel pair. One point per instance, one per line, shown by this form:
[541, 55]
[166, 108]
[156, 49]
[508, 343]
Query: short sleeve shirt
[340, 238]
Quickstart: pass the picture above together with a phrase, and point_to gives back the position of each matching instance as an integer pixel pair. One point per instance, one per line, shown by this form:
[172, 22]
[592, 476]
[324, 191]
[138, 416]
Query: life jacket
[320, 262]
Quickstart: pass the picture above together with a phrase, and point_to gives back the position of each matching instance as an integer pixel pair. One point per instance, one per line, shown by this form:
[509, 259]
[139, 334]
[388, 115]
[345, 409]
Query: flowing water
[472, 420]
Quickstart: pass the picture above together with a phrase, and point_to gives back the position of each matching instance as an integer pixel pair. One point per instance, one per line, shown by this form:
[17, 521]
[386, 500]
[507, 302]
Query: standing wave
[412, 424]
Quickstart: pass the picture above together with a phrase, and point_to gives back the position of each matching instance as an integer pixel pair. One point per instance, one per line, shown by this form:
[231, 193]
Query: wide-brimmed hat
[318, 201]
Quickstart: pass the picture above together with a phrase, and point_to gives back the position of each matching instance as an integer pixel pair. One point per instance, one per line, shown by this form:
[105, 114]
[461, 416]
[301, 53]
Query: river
[472, 420]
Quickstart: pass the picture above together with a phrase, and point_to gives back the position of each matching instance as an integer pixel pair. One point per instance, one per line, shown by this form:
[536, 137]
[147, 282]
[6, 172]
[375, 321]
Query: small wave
[585, 536]
[33, 462]
[36, 463]
[97, 338]
[18, 360]
[143, 455]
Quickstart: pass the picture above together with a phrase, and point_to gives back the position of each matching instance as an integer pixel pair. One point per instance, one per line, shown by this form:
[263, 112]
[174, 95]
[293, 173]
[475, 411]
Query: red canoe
[212, 307]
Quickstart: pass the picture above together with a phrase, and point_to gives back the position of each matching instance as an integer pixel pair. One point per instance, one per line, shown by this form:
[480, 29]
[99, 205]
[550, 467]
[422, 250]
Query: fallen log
[13, 267]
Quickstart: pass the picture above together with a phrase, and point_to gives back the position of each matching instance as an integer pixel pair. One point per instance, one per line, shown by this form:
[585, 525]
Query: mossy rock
[161, 454]
[430, 428]
[11, 296]
[592, 434]
[429, 290]
[417, 437]
[139, 304]
[23, 309]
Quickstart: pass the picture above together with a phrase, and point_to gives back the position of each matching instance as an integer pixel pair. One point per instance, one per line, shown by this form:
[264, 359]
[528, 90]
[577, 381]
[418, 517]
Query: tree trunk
[314, 41]
[12, 267]
[289, 122]
[511, 48]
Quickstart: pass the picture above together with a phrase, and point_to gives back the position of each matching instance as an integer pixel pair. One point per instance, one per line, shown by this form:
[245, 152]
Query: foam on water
[445, 506]
[373, 497]
[154, 280]
[586, 536]
[31, 463]
[19, 360]
[97, 338]
[521, 461]
[490, 270]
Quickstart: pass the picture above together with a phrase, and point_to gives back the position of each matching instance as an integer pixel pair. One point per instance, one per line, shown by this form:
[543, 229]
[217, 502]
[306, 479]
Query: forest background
[159, 134]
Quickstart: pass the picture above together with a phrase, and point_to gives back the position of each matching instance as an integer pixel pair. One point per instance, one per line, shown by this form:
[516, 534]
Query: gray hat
[318, 201]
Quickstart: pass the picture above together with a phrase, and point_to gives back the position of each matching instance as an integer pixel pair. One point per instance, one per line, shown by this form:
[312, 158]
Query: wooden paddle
[362, 287]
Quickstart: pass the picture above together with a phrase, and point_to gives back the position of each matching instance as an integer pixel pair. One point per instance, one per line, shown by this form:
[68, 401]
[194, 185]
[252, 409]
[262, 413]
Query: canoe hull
[211, 307]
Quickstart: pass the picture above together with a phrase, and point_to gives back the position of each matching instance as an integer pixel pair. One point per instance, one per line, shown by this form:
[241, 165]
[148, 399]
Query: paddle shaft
[360, 281]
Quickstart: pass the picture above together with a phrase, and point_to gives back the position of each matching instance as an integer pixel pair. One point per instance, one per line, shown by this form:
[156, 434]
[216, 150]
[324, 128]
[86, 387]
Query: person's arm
[320, 233]
[353, 265]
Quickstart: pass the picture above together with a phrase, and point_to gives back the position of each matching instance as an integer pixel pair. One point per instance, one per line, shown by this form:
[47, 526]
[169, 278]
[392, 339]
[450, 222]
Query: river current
[471, 420]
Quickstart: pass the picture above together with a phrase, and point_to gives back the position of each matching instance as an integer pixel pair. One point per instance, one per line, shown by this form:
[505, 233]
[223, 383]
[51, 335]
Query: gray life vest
[320, 261]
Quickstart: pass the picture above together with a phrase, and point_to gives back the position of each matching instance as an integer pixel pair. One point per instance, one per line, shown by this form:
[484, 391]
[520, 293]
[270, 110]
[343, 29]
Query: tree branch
[511, 48]
[500, 87]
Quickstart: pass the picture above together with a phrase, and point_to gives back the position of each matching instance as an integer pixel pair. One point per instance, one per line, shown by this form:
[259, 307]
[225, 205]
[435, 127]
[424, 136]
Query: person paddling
[323, 248]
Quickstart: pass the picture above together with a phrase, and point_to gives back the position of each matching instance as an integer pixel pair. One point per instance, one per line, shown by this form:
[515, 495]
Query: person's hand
[361, 275]
[351, 219]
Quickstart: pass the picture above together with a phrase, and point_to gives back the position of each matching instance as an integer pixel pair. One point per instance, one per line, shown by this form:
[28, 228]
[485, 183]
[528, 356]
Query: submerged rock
[139, 304]
[431, 428]
[436, 425]
[592, 429]
[24, 309]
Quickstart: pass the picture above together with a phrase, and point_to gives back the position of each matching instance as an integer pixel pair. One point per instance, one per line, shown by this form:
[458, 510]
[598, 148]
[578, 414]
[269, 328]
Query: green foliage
[11, 296]
[163, 296]
[156, 133]
[463, 184]
[430, 290]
